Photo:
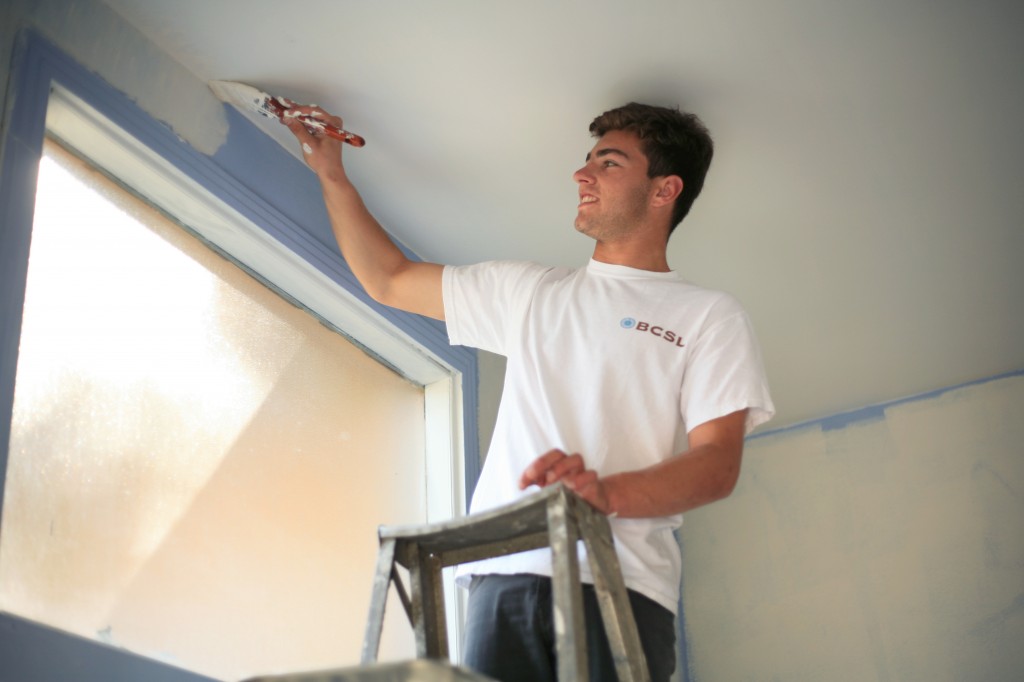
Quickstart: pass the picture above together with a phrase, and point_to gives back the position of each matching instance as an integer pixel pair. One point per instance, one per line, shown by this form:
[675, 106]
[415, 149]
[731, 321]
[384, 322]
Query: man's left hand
[556, 466]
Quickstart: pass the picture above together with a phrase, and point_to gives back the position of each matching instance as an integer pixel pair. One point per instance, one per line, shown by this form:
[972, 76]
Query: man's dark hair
[675, 143]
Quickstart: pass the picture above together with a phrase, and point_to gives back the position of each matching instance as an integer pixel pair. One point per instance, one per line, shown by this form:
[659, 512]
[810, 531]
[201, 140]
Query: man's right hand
[322, 153]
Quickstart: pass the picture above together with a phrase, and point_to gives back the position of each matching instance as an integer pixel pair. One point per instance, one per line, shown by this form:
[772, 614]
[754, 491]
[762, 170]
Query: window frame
[106, 127]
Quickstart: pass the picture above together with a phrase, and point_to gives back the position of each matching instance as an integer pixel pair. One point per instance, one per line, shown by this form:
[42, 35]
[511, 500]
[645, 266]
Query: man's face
[614, 189]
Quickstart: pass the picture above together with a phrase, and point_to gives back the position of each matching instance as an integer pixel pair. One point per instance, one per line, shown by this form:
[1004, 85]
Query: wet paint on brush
[252, 99]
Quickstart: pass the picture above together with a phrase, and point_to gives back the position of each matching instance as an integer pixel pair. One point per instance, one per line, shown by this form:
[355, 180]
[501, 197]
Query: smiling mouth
[584, 200]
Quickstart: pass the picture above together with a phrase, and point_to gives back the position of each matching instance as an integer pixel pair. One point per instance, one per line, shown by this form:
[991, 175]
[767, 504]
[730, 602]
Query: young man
[630, 385]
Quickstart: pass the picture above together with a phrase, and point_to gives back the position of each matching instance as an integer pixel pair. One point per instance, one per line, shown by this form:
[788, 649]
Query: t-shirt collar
[608, 269]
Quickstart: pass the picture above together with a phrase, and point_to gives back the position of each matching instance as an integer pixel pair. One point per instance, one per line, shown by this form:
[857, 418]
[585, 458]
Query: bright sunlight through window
[197, 467]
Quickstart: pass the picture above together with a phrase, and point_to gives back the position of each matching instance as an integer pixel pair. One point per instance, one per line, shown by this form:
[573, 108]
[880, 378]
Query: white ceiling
[865, 201]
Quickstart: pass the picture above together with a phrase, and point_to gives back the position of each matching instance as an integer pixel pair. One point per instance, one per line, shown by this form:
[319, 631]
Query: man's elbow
[382, 295]
[414, 287]
[384, 287]
[729, 476]
[727, 488]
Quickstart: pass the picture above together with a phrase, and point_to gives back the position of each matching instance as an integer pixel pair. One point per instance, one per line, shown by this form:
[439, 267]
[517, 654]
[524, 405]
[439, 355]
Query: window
[185, 477]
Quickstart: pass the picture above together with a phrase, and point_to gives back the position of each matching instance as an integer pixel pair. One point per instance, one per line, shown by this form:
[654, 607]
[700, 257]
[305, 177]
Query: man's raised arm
[387, 275]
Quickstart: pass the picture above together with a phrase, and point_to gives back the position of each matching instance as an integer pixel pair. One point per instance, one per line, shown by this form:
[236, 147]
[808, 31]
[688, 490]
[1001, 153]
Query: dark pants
[510, 636]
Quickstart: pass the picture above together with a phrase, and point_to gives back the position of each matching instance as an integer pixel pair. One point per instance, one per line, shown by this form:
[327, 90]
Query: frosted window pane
[197, 468]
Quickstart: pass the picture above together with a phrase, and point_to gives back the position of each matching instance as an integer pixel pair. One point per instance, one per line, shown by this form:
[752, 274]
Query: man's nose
[582, 176]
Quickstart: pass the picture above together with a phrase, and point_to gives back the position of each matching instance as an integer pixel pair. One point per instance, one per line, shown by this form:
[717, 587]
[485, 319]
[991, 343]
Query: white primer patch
[101, 40]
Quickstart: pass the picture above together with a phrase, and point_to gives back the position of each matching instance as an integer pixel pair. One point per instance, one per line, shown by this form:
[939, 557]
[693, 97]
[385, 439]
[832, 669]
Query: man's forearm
[708, 471]
[376, 261]
[689, 480]
[367, 248]
[379, 265]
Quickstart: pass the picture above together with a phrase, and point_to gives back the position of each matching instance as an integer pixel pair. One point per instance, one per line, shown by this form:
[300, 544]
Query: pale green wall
[884, 550]
[491, 369]
[888, 549]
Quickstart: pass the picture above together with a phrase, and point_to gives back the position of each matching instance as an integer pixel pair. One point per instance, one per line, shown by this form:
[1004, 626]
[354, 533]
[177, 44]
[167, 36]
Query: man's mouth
[587, 199]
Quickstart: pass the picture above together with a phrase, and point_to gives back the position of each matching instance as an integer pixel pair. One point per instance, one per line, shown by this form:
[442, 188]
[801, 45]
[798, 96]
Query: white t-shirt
[611, 362]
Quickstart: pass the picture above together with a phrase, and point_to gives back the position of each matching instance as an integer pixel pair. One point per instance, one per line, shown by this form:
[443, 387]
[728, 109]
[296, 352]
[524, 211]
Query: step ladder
[554, 517]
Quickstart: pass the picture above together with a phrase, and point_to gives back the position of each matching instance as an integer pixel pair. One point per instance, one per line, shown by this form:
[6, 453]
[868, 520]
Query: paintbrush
[247, 98]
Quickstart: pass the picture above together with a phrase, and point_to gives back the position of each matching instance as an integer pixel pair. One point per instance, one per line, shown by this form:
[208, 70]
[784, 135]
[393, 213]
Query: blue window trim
[250, 173]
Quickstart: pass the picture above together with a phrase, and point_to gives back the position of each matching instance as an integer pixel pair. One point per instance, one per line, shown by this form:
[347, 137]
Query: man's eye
[610, 163]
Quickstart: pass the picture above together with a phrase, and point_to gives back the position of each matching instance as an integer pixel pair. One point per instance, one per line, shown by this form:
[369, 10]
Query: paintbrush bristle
[243, 96]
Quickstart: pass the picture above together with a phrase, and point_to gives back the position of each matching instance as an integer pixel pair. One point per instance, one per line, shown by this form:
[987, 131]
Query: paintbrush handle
[278, 106]
[333, 131]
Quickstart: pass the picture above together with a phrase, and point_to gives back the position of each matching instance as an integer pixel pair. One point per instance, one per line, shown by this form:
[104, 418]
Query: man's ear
[669, 189]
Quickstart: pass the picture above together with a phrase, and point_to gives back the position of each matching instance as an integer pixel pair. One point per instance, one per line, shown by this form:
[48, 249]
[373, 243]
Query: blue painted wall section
[22, 144]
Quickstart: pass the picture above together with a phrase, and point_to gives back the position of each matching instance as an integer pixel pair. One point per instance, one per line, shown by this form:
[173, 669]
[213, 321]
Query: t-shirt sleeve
[481, 301]
[725, 372]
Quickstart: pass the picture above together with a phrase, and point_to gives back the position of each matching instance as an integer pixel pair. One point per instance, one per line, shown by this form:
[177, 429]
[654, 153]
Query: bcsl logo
[661, 332]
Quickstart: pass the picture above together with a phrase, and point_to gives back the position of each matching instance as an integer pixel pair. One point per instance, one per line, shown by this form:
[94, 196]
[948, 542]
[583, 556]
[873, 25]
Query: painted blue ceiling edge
[877, 412]
[250, 173]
